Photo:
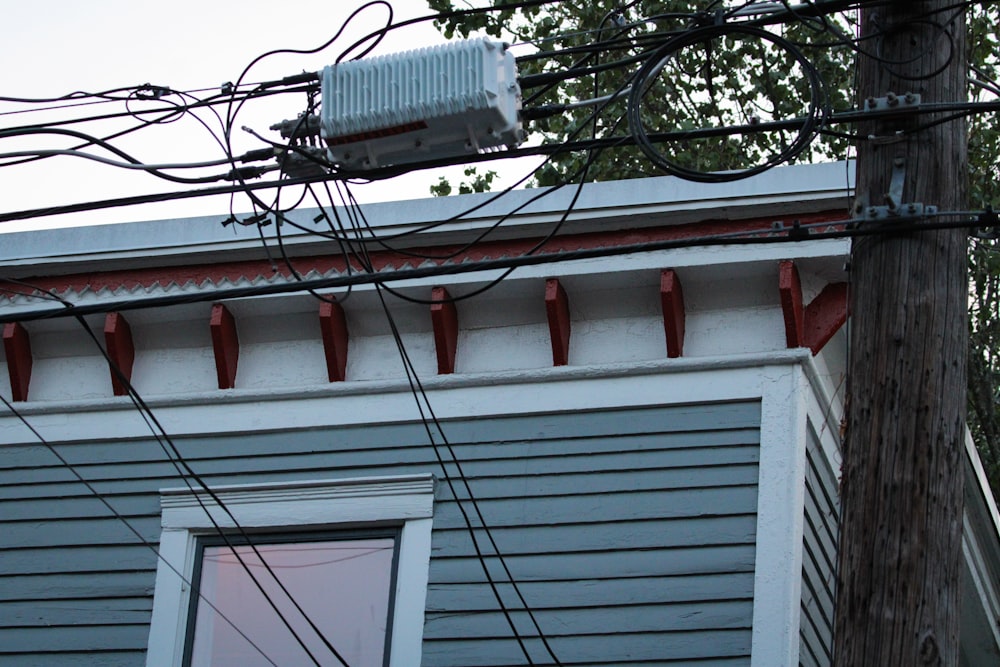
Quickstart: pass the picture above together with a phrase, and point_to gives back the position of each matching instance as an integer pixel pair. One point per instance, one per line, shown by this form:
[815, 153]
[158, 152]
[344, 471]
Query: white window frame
[406, 501]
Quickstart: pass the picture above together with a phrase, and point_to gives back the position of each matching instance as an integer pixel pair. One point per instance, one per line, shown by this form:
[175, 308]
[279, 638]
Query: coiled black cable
[813, 120]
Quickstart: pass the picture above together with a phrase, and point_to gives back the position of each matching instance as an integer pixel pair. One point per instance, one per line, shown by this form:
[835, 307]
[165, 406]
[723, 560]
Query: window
[353, 554]
[342, 583]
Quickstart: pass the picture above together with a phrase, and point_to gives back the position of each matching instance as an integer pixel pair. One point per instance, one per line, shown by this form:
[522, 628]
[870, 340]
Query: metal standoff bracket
[892, 101]
[895, 209]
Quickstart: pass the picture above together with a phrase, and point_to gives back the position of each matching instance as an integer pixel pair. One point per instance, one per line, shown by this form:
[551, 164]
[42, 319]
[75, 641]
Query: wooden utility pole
[901, 527]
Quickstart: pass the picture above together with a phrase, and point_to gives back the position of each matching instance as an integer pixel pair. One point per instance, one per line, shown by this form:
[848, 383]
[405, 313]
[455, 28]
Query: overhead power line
[791, 234]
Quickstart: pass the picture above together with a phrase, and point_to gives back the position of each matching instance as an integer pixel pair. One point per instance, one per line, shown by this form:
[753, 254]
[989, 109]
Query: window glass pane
[343, 586]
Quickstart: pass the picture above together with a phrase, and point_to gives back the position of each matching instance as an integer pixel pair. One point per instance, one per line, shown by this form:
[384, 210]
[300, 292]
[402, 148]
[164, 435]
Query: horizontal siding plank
[599, 565]
[593, 592]
[818, 588]
[78, 532]
[690, 503]
[819, 540]
[73, 639]
[508, 486]
[632, 531]
[53, 509]
[644, 534]
[717, 615]
[61, 559]
[536, 430]
[823, 510]
[819, 556]
[75, 586]
[88, 659]
[290, 454]
[594, 650]
[54, 613]
[133, 478]
[514, 486]
[816, 643]
[596, 507]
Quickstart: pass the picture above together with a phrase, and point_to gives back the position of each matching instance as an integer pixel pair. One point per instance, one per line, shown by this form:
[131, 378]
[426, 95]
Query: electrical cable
[651, 68]
[579, 173]
[174, 456]
[419, 394]
[809, 8]
[131, 162]
[846, 228]
[178, 461]
[347, 248]
[114, 163]
[132, 529]
[422, 400]
[219, 99]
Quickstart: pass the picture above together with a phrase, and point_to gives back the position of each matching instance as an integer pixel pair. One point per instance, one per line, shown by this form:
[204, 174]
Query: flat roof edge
[794, 188]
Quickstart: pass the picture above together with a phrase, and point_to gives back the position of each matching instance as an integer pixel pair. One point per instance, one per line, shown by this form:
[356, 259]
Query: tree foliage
[717, 82]
[984, 253]
[737, 81]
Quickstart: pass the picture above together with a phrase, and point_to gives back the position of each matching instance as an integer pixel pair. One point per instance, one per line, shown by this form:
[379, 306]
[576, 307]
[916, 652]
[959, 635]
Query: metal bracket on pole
[895, 195]
[893, 101]
[902, 213]
[895, 209]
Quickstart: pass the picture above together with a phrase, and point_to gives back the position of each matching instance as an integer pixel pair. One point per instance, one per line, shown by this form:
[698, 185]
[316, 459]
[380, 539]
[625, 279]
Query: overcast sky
[56, 47]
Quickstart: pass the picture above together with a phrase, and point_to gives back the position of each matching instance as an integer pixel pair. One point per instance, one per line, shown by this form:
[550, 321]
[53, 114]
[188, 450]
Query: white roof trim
[795, 189]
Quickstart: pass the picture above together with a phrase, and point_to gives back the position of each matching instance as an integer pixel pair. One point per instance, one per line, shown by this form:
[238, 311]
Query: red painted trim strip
[790, 290]
[557, 310]
[672, 300]
[333, 326]
[17, 347]
[121, 350]
[825, 315]
[444, 319]
[216, 273]
[226, 345]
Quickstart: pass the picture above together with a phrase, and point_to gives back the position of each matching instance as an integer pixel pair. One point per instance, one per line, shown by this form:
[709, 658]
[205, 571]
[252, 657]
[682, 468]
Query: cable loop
[644, 77]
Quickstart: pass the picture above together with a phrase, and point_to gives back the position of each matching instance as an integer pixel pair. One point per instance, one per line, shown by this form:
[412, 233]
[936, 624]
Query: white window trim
[408, 500]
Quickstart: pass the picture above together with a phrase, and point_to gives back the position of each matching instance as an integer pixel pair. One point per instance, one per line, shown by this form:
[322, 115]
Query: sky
[57, 47]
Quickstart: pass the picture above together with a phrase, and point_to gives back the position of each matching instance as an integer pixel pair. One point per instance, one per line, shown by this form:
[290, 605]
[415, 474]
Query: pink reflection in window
[342, 585]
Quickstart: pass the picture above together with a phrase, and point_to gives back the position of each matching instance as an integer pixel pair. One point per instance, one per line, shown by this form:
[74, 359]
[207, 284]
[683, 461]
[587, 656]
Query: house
[628, 456]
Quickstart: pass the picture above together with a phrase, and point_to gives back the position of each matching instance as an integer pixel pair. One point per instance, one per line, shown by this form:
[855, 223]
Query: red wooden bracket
[815, 324]
[226, 345]
[557, 310]
[444, 319]
[121, 350]
[672, 299]
[333, 326]
[17, 347]
[790, 289]
[825, 315]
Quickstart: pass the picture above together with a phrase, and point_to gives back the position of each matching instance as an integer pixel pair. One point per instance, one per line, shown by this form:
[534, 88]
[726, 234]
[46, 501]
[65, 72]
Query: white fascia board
[793, 190]
[562, 388]
[780, 517]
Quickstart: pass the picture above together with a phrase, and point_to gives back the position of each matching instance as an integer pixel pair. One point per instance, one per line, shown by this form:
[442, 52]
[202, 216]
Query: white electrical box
[437, 102]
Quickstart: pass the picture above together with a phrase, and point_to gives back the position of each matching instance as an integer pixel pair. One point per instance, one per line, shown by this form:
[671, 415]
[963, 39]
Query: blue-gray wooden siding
[819, 557]
[630, 532]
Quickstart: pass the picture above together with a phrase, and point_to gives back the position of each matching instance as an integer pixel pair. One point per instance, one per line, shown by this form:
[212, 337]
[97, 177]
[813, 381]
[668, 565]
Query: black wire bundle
[632, 75]
[654, 64]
